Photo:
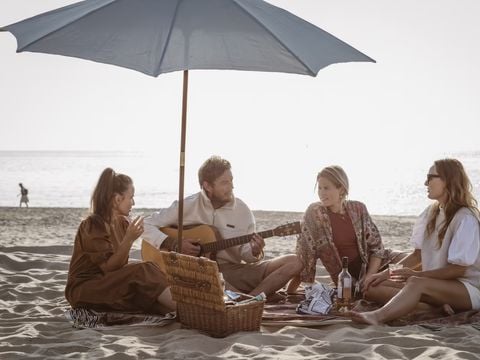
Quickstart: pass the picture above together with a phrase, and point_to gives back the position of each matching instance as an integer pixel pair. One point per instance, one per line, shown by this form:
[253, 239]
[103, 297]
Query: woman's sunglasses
[432, 176]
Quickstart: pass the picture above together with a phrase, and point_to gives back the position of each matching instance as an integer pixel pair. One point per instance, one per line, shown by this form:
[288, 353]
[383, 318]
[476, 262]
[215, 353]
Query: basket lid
[194, 280]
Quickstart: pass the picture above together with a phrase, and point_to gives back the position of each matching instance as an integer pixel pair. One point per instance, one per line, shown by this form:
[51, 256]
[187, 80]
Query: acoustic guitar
[210, 240]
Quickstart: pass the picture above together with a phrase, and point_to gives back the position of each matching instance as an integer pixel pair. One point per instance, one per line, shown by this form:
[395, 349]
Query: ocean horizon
[66, 179]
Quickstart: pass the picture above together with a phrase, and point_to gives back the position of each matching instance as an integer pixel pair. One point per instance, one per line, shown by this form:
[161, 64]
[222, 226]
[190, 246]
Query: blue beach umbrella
[161, 36]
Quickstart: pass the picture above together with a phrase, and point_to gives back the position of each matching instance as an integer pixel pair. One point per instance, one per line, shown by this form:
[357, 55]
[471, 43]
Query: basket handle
[173, 260]
[194, 284]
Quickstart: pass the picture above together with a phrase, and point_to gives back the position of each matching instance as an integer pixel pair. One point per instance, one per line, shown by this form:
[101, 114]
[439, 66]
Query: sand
[35, 248]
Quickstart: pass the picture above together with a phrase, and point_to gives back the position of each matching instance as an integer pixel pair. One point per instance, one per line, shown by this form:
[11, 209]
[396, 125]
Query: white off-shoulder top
[461, 245]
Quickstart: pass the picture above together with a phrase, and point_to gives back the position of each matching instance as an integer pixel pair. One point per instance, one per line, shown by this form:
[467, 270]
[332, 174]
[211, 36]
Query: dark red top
[345, 241]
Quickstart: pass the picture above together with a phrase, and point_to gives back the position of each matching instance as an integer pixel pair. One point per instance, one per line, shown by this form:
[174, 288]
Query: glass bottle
[344, 286]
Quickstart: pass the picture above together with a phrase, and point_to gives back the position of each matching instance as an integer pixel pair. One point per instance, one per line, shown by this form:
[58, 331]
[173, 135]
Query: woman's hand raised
[135, 229]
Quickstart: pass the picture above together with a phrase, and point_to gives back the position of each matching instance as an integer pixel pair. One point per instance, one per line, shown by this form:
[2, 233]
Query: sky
[419, 102]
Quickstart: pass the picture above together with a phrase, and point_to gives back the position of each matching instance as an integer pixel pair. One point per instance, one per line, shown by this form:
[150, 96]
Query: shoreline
[139, 210]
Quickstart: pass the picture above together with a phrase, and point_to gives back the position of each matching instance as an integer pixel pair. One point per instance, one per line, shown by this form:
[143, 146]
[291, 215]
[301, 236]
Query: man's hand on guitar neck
[191, 247]
[257, 244]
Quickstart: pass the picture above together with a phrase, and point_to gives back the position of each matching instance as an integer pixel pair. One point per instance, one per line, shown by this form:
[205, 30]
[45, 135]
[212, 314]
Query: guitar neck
[227, 243]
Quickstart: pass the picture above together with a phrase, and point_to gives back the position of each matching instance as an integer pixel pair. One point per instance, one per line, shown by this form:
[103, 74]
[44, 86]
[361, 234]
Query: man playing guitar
[242, 266]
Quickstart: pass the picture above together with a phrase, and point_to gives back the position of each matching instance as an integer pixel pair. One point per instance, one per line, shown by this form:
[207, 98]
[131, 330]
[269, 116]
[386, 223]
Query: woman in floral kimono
[336, 227]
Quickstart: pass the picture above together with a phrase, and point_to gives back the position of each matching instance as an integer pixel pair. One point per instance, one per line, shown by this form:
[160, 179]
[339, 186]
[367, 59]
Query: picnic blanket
[285, 313]
[87, 318]
[280, 313]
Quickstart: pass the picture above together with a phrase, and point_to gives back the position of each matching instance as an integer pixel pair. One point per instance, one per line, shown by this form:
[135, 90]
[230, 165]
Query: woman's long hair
[109, 184]
[459, 194]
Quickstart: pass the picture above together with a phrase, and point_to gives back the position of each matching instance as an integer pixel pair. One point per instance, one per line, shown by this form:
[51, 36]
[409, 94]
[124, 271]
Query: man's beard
[219, 202]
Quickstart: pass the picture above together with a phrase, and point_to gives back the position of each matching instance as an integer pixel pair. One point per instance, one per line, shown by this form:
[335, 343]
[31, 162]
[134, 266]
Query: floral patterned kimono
[316, 240]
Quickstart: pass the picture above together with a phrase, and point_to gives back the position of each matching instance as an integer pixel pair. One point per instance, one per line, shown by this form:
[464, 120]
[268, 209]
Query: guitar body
[151, 253]
[204, 233]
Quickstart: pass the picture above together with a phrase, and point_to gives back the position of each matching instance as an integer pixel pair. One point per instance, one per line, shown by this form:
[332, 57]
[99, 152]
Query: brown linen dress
[134, 287]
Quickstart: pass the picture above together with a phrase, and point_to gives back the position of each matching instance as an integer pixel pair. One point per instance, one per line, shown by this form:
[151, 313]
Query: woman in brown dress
[100, 277]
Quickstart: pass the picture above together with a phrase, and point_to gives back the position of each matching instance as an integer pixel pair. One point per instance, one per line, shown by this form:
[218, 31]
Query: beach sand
[35, 249]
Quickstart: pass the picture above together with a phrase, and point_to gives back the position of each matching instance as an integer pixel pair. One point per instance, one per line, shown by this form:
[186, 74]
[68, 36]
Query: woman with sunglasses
[446, 240]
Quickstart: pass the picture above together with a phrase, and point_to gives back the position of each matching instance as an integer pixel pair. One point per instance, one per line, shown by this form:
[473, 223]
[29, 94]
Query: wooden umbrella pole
[182, 160]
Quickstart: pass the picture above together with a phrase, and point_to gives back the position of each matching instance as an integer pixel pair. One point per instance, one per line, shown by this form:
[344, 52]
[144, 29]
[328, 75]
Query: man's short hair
[212, 169]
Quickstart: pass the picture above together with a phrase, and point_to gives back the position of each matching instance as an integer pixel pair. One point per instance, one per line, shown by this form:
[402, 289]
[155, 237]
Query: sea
[67, 178]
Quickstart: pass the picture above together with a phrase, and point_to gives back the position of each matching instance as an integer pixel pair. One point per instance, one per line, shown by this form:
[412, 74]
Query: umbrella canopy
[159, 36]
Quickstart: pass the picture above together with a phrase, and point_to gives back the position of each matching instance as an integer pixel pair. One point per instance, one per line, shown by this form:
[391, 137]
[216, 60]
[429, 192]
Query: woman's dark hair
[109, 184]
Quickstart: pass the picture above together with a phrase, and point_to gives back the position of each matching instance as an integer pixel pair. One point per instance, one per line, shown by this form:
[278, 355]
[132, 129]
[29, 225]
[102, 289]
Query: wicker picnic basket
[197, 288]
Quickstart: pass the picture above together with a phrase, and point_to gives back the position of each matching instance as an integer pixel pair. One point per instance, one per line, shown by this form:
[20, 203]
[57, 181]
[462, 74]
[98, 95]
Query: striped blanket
[85, 318]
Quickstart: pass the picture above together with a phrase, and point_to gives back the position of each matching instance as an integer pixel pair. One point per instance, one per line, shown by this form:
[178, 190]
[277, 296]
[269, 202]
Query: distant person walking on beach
[446, 238]
[100, 277]
[336, 227]
[242, 266]
[23, 195]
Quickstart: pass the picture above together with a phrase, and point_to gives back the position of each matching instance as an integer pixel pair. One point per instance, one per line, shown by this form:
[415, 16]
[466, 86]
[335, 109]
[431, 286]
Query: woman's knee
[295, 264]
[377, 293]
[416, 282]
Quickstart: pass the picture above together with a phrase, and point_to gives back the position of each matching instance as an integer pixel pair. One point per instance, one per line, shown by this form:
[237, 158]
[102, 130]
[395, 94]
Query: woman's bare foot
[448, 309]
[369, 317]
[361, 305]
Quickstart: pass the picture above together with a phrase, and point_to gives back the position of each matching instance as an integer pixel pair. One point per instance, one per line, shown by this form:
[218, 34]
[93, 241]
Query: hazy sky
[419, 101]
